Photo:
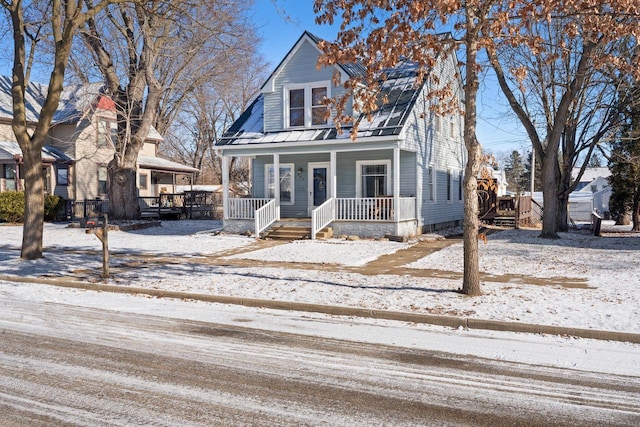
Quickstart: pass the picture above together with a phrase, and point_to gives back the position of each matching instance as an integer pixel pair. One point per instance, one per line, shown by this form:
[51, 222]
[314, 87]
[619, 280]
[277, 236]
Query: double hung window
[373, 178]
[102, 180]
[107, 131]
[431, 183]
[286, 183]
[9, 175]
[305, 105]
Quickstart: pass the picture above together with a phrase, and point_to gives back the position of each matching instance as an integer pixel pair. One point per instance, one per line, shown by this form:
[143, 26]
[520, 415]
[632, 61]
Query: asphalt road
[70, 365]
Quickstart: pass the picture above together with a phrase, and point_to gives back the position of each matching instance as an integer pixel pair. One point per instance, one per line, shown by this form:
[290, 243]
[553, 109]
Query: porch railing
[265, 216]
[245, 208]
[322, 216]
[375, 209]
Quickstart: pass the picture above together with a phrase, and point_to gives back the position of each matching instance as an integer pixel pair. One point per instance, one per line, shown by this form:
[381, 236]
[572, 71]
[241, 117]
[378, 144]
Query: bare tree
[152, 57]
[32, 22]
[562, 93]
[211, 109]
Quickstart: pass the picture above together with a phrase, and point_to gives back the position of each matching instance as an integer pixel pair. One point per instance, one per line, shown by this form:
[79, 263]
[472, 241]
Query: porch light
[299, 172]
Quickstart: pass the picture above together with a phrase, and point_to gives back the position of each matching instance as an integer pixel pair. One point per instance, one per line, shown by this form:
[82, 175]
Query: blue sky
[281, 24]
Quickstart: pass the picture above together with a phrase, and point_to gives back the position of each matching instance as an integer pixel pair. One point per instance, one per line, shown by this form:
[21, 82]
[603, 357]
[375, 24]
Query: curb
[431, 319]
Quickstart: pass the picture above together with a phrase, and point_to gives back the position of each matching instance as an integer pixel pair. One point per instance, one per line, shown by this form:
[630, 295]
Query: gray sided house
[79, 146]
[402, 176]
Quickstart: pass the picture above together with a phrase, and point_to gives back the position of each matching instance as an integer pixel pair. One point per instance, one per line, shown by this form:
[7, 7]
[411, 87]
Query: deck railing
[322, 216]
[265, 216]
[88, 208]
[245, 208]
[375, 209]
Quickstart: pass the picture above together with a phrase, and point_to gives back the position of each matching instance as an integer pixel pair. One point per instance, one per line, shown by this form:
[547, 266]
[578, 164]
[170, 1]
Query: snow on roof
[591, 173]
[214, 188]
[158, 163]
[9, 150]
[74, 102]
[56, 153]
[35, 95]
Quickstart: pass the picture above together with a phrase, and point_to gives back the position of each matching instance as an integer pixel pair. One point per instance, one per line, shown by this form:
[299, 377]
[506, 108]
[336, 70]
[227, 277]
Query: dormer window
[107, 131]
[304, 106]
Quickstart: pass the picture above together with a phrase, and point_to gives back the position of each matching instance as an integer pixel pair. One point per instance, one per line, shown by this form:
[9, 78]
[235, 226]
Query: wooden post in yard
[103, 235]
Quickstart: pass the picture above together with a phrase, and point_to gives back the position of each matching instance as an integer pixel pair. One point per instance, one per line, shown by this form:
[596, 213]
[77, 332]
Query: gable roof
[349, 70]
[399, 88]
[74, 100]
[591, 174]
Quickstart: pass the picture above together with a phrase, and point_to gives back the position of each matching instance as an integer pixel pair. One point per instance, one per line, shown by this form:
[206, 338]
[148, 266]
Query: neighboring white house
[402, 175]
[591, 195]
[79, 146]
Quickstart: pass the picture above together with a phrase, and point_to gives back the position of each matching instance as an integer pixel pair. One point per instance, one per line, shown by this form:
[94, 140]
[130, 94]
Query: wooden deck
[506, 211]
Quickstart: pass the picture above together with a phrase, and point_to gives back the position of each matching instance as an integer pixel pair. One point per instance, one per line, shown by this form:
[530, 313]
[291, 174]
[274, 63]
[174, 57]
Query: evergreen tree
[595, 161]
[624, 162]
[515, 173]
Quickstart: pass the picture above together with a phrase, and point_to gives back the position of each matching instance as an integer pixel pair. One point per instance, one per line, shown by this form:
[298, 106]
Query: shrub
[12, 206]
[53, 205]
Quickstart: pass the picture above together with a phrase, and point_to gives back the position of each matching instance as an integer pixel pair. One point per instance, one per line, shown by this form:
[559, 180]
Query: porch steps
[296, 232]
[505, 221]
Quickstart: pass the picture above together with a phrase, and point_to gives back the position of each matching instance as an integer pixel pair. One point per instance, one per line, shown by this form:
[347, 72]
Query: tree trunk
[471, 277]
[635, 211]
[550, 198]
[562, 215]
[564, 189]
[33, 204]
[123, 192]
[624, 219]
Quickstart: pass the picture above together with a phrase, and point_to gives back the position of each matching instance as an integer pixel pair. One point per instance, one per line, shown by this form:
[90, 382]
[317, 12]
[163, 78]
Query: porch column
[396, 187]
[276, 183]
[276, 178]
[225, 187]
[332, 177]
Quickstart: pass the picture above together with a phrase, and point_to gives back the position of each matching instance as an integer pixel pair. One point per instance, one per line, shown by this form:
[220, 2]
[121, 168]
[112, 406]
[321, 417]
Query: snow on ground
[528, 288]
[172, 238]
[333, 251]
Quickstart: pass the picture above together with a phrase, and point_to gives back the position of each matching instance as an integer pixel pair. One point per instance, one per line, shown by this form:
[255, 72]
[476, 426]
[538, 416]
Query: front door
[318, 184]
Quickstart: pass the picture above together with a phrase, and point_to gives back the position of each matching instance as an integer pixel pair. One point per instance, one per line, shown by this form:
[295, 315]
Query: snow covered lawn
[333, 251]
[528, 280]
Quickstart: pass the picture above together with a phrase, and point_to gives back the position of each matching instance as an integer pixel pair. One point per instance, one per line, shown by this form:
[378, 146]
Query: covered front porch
[360, 192]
